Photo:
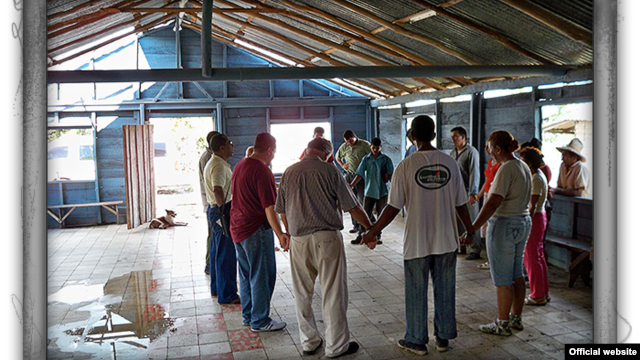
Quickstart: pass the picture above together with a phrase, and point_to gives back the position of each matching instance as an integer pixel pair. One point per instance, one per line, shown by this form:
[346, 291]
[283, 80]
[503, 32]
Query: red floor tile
[244, 339]
[211, 323]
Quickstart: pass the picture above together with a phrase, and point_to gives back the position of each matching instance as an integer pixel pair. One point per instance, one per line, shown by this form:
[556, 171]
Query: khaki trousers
[321, 255]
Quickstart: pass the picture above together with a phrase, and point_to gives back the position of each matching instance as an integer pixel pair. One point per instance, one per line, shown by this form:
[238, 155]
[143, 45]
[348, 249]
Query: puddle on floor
[123, 319]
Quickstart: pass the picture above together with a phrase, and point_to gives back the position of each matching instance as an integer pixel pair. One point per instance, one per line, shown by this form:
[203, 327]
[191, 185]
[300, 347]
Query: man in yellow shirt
[349, 156]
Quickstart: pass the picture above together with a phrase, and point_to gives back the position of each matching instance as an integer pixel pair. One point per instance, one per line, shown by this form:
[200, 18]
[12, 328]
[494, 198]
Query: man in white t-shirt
[429, 185]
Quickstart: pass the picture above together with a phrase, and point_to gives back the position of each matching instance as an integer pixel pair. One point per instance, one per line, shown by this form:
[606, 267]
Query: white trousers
[321, 255]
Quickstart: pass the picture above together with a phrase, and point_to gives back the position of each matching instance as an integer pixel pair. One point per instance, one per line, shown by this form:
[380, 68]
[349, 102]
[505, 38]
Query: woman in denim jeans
[506, 211]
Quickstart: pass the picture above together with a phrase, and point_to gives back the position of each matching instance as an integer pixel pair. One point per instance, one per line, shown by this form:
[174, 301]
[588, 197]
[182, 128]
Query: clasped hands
[370, 239]
[284, 240]
[466, 239]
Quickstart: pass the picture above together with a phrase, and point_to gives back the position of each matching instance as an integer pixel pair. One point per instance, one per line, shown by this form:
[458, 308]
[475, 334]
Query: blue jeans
[222, 264]
[416, 278]
[257, 268]
[506, 240]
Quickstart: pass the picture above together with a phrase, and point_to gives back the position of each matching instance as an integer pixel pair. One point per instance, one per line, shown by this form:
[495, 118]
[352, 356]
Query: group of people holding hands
[440, 195]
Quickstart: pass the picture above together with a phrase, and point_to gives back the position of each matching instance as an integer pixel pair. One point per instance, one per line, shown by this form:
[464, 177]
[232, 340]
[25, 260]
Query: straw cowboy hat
[575, 146]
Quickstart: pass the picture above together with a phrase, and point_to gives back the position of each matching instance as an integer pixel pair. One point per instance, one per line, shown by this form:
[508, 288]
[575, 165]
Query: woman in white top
[534, 260]
[506, 210]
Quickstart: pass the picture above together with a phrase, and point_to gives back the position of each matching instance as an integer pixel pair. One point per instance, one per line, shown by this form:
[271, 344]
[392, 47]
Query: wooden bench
[580, 261]
[60, 217]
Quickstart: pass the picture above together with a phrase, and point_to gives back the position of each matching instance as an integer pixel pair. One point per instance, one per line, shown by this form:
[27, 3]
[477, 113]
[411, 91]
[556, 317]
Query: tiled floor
[142, 293]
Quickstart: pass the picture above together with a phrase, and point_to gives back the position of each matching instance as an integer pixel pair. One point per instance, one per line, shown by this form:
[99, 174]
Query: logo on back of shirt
[432, 177]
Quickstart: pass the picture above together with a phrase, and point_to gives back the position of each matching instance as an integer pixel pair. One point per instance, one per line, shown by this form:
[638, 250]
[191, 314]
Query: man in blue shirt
[376, 168]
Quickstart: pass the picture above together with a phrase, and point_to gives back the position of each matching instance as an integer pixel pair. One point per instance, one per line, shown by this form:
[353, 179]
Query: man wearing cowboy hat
[574, 176]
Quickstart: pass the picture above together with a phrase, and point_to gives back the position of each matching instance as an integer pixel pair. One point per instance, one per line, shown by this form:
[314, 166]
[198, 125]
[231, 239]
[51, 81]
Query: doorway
[292, 140]
[178, 144]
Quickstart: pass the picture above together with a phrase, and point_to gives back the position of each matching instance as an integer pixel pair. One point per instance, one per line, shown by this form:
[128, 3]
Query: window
[70, 155]
[86, 152]
[160, 149]
[59, 152]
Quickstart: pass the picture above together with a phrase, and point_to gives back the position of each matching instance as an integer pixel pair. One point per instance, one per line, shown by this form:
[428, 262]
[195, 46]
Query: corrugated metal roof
[441, 39]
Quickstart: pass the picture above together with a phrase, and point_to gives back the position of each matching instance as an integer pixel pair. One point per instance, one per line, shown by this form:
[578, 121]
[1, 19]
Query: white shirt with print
[429, 185]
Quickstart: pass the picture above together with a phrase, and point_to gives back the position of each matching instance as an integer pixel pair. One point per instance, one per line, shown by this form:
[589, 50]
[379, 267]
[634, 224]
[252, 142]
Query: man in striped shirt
[310, 201]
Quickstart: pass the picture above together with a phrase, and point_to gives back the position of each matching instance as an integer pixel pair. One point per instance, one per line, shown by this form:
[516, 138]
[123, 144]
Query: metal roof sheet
[439, 40]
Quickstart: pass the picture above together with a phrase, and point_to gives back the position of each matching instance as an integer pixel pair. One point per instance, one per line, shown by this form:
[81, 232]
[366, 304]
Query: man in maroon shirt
[252, 220]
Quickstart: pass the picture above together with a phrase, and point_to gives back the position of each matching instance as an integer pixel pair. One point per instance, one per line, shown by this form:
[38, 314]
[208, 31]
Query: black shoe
[206, 270]
[354, 230]
[463, 250]
[379, 242]
[357, 241]
[352, 349]
[411, 347]
[442, 345]
[314, 351]
[473, 256]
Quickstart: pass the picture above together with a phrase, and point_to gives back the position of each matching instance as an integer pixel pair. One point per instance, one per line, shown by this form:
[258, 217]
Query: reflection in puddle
[124, 317]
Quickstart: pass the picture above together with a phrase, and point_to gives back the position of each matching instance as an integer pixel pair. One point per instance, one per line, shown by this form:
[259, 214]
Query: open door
[139, 180]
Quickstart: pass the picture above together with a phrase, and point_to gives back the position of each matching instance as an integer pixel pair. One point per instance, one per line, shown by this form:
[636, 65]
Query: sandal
[484, 266]
[531, 301]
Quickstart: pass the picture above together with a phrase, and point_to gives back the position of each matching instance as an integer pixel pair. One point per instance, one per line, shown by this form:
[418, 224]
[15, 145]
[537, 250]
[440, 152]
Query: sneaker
[272, 326]
[497, 328]
[411, 347]
[515, 322]
[442, 345]
[357, 241]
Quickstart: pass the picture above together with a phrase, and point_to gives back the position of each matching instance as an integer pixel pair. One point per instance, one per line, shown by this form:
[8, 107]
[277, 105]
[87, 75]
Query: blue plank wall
[157, 49]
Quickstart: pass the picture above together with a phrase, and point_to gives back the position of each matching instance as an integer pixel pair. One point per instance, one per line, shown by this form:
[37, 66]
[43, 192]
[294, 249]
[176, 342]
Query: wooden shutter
[139, 180]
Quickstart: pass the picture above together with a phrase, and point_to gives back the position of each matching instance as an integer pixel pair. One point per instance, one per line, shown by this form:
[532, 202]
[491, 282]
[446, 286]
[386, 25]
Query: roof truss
[331, 33]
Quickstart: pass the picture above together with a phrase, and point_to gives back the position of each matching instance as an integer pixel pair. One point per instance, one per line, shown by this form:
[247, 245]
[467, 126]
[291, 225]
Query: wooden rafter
[137, 30]
[197, 27]
[89, 13]
[366, 38]
[88, 18]
[552, 20]
[197, 10]
[492, 33]
[307, 50]
[340, 47]
[400, 30]
[355, 38]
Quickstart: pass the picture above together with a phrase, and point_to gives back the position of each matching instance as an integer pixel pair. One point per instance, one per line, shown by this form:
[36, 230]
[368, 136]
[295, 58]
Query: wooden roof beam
[142, 28]
[332, 45]
[400, 30]
[102, 13]
[552, 20]
[356, 38]
[302, 48]
[492, 33]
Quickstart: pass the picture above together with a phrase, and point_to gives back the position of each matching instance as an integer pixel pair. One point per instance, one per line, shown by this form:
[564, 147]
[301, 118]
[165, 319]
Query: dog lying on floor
[166, 221]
